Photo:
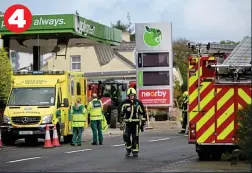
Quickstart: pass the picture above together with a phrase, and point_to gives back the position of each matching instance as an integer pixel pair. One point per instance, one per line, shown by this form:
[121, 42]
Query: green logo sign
[152, 36]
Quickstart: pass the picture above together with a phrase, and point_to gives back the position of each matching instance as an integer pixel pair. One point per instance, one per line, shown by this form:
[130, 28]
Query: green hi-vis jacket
[95, 109]
[79, 115]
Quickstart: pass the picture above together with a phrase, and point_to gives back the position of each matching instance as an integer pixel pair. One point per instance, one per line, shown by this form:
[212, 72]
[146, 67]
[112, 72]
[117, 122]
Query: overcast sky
[197, 20]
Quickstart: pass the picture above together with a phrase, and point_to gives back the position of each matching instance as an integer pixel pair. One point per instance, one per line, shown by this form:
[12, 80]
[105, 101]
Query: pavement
[156, 149]
[160, 151]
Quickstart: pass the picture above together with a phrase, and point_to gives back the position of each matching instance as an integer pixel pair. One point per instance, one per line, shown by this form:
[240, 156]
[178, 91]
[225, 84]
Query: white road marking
[163, 139]
[76, 151]
[20, 160]
[118, 145]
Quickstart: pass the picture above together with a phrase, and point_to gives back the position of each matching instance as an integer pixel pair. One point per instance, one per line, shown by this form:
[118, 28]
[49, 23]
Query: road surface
[157, 150]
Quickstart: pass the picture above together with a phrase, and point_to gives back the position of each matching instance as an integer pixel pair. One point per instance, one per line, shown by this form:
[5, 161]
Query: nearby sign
[154, 63]
[153, 37]
[154, 96]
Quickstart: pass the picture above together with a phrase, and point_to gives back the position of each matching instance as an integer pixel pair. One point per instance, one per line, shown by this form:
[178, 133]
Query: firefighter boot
[135, 154]
[127, 153]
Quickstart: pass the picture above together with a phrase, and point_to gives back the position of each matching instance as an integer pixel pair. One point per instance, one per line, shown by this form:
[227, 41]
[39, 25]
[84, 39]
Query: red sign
[17, 18]
[154, 96]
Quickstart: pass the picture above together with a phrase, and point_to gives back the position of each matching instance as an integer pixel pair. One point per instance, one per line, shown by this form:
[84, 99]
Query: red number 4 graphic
[17, 18]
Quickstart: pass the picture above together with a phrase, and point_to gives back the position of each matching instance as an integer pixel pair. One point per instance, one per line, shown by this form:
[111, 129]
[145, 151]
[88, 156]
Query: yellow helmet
[131, 91]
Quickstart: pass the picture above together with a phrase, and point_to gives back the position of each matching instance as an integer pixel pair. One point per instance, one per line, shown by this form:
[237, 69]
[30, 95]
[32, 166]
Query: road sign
[17, 18]
[155, 97]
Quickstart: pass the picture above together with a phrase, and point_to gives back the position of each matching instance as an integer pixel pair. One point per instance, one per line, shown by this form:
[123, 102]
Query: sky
[196, 20]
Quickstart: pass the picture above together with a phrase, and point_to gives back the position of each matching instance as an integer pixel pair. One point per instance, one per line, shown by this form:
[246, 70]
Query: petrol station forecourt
[61, 29]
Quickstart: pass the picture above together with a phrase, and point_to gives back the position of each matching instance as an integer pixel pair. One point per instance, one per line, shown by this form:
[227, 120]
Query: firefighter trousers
[184, 113]
[131, 130]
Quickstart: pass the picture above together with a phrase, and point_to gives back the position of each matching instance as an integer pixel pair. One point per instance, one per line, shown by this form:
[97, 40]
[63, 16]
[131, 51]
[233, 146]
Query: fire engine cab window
[156, 78]
[156, 60]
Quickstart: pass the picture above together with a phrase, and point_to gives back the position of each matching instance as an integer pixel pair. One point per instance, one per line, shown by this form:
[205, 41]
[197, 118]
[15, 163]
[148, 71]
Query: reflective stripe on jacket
[79, 116]
[95, 109]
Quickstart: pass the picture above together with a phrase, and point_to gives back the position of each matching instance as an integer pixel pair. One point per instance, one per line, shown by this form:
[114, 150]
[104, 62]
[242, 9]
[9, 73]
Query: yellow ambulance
[40, 98]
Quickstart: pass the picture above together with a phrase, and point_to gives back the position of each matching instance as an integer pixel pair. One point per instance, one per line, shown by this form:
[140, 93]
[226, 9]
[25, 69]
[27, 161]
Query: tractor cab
[111, 93]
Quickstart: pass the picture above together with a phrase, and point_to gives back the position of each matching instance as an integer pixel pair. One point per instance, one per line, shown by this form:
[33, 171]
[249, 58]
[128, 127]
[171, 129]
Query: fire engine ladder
[240, 57]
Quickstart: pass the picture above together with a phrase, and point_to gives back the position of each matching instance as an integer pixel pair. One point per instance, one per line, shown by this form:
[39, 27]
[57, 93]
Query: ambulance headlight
[47, 119]
[6, 119]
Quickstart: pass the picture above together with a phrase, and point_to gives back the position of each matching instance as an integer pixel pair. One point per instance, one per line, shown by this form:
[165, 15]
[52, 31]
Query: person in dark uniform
[184, 111]
[133, 118]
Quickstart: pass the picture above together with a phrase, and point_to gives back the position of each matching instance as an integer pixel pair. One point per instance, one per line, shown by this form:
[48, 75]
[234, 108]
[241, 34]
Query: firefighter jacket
[184, 103]
[79, 116]
[133, 111]
[95, 109]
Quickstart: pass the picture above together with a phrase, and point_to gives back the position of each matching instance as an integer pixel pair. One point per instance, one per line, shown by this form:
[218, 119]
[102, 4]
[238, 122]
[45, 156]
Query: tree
[6, 74]
[125, 27]
[228, 42]
[177, 89]
[181, 53]
[245, 130]
[119, 25]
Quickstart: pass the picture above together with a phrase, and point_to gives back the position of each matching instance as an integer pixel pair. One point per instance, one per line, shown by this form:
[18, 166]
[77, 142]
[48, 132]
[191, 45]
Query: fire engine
[217, 89]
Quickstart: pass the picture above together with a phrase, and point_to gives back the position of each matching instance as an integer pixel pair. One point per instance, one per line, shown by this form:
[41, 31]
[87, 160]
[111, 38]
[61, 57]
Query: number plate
[25, 132]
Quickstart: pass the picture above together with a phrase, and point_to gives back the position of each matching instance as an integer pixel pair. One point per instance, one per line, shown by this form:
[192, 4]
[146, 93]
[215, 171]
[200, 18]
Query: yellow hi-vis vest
[95, 109]
[79, 116]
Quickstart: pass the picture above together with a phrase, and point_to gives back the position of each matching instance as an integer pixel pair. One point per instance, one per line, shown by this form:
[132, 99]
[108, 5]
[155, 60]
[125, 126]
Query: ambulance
[40, 98]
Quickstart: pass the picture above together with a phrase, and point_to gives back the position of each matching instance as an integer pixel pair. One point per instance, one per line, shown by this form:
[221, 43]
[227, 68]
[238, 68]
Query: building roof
[241, 54]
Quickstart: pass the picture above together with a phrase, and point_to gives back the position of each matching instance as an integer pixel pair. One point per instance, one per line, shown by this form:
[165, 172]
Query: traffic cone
[55, 142]
[1, 144]
[48, 143]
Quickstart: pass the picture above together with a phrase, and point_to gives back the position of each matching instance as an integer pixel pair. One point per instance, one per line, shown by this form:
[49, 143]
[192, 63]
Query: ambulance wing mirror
[65, 103]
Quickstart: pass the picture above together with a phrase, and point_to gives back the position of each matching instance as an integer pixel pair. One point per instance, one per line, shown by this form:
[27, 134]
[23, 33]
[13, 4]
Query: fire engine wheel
[203, 156]
[216, 156]
[113, 118]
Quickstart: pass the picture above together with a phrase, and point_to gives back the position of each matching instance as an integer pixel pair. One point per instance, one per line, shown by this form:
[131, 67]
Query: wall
[89, 61]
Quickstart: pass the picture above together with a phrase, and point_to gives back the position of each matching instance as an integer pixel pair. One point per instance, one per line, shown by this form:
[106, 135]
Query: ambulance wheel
[8, 140]
[203, 156]
[31, 140]
[68, 139]
[113, 118]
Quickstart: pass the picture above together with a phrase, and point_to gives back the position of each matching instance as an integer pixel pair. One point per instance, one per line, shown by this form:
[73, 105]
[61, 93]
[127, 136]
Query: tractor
[111, 93]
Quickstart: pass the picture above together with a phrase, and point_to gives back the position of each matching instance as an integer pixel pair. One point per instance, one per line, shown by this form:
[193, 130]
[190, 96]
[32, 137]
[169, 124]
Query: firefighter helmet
[185, 94]
[131, 91]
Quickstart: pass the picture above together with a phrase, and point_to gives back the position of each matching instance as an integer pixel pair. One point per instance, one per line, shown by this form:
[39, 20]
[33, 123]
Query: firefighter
[133, 117]
[79, 114]
[184, 110]
[95, 109]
